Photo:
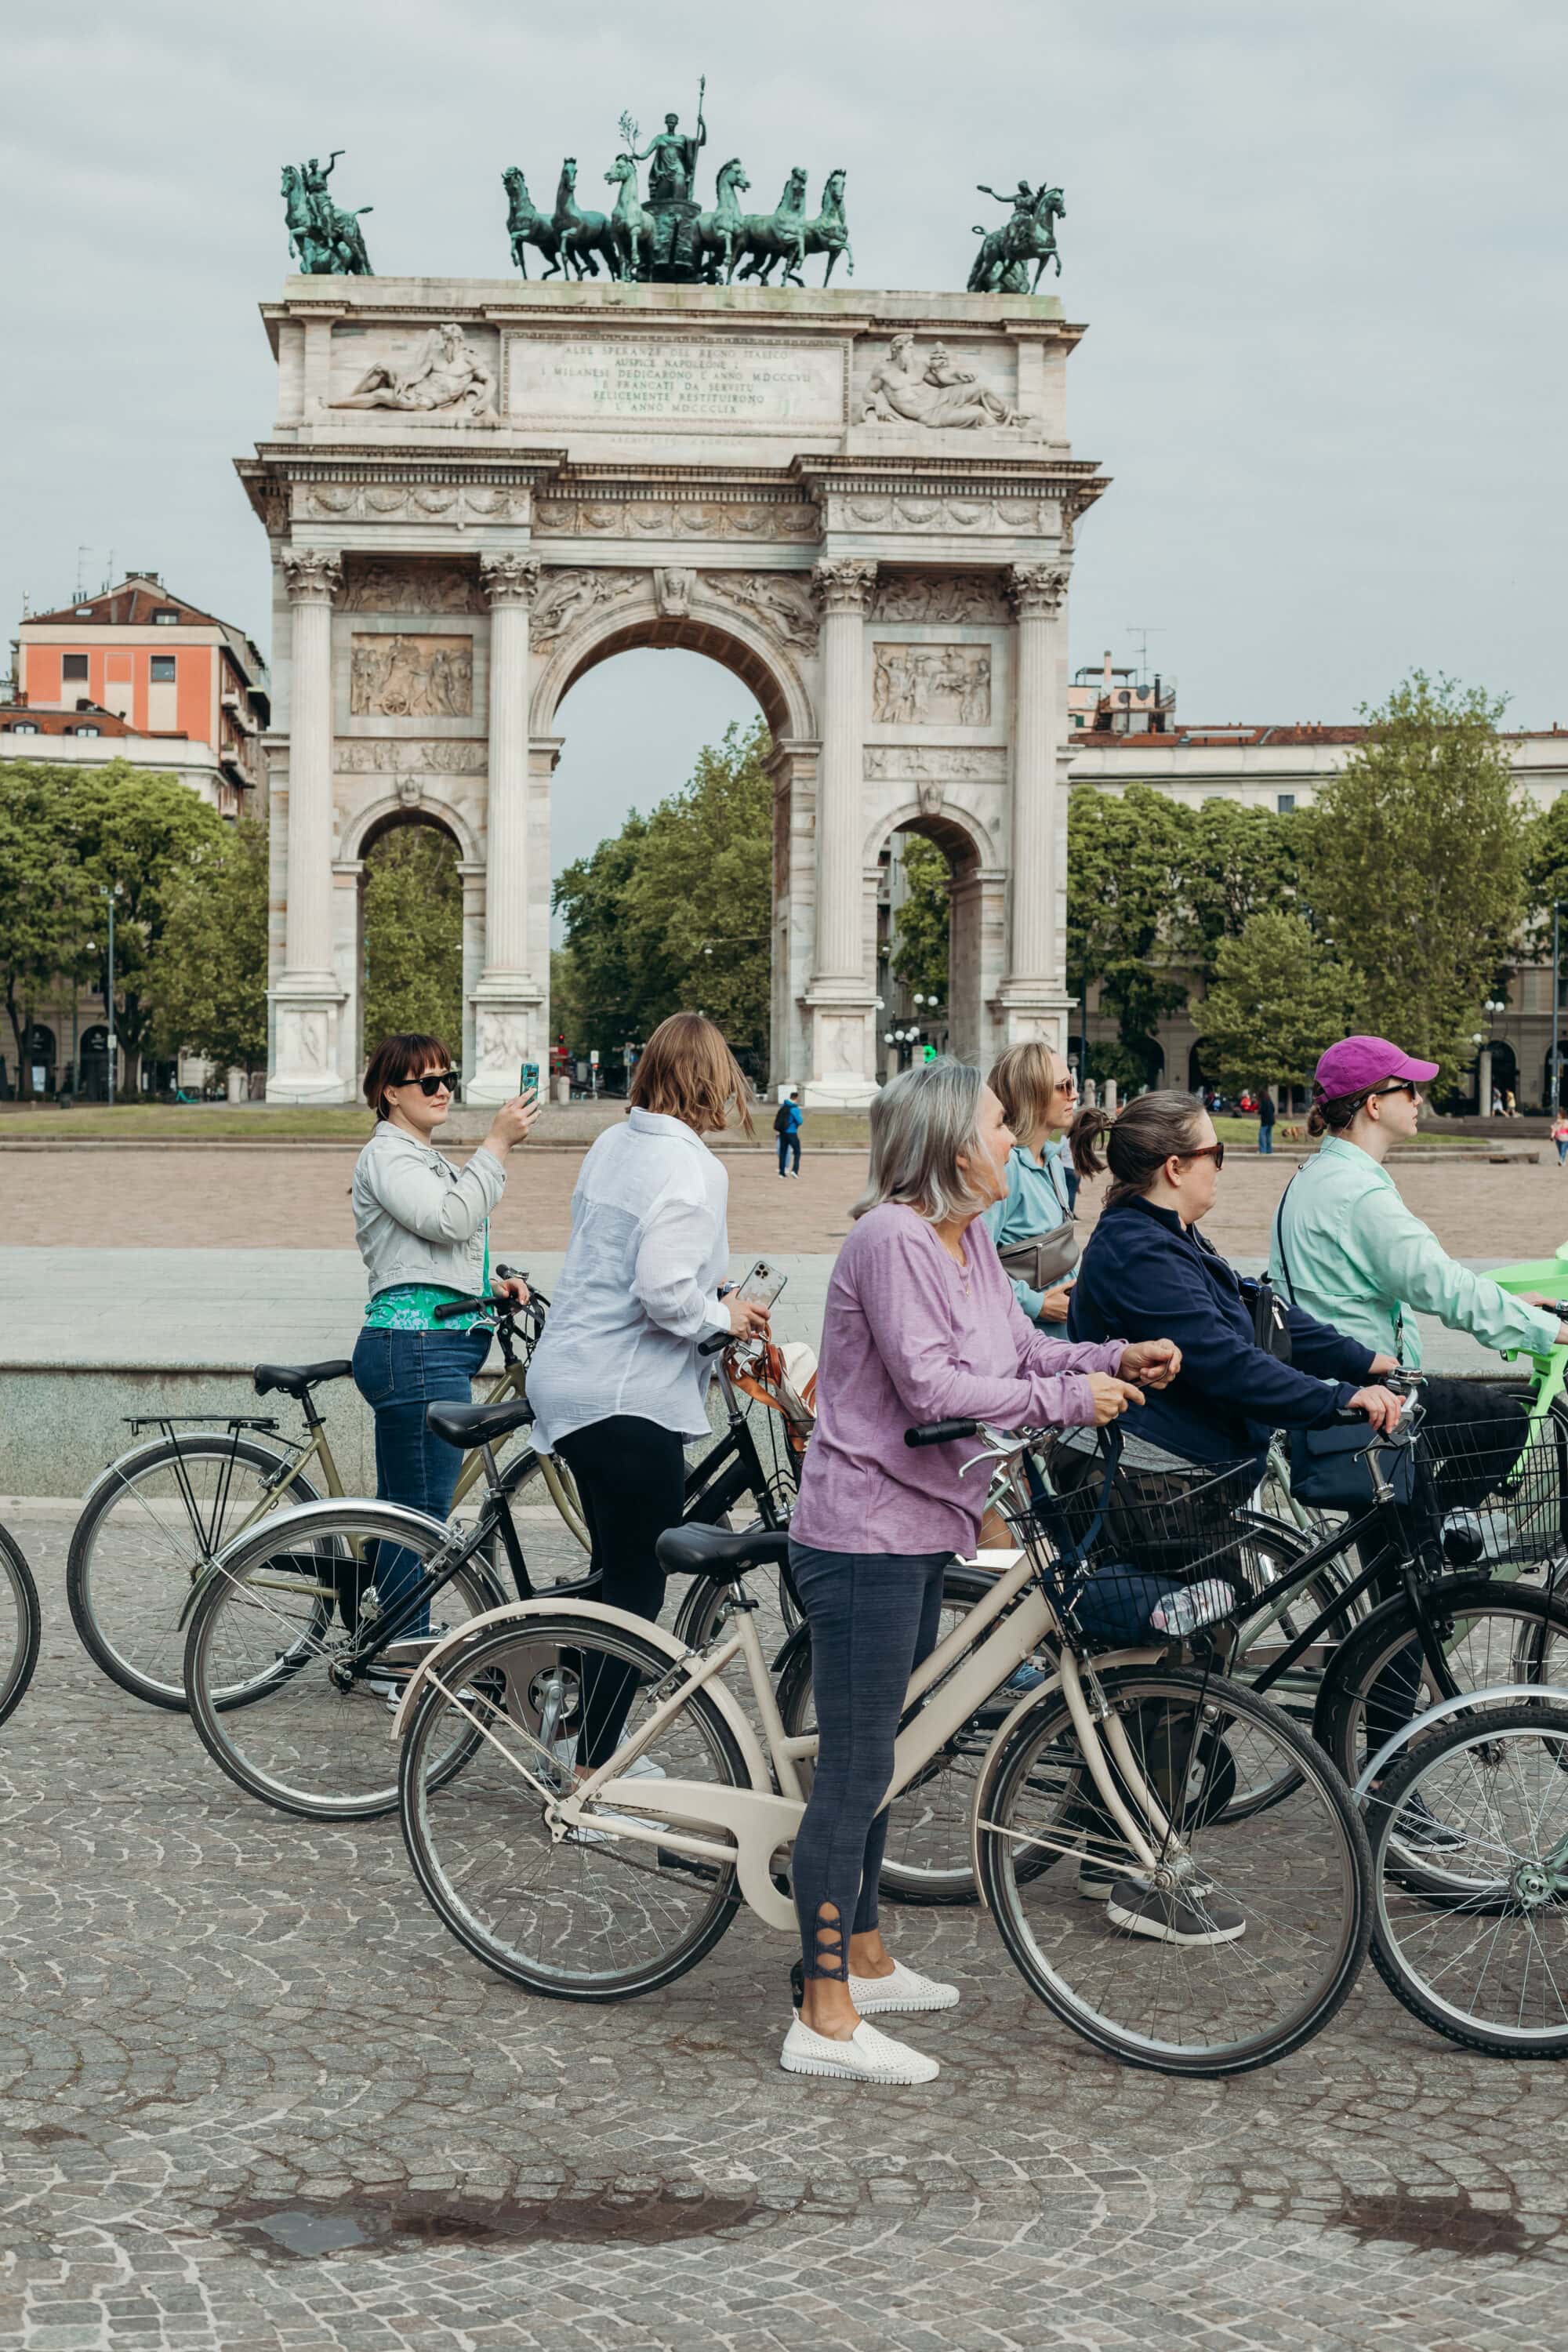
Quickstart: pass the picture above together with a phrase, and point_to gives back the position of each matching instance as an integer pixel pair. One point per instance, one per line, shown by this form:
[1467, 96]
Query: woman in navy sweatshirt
[1148, 1272]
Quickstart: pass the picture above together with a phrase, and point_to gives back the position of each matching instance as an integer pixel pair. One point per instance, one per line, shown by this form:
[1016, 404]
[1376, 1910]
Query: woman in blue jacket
[1148, 1272]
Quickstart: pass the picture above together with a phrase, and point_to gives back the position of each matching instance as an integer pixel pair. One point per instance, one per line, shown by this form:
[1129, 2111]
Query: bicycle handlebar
[941, 1433]
[716, 1346]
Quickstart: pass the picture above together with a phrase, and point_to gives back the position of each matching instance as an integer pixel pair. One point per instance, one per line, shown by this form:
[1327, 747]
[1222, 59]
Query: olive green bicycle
[159, 1516]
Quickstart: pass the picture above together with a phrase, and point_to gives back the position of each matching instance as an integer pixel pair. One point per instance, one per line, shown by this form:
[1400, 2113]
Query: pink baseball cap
[1358, 1062]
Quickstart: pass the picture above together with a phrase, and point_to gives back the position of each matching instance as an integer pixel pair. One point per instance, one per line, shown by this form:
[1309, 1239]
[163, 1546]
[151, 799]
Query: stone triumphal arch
[860, 503]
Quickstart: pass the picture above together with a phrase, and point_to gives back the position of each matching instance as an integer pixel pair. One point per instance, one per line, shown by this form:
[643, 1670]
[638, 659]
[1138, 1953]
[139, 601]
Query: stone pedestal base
[305, 1019]
[842, 1056]
[509, 1030]
[1027, 1010]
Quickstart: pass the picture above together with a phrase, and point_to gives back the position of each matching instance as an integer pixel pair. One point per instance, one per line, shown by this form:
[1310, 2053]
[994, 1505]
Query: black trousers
[631, 1476]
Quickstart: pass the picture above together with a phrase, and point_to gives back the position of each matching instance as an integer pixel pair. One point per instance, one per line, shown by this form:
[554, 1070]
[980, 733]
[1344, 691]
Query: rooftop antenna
[108, 581]
[81, 556]
[1136, 629]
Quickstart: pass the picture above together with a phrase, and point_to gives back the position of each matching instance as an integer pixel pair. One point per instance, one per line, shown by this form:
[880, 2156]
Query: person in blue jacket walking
[1147, 1270]
[787, 1122]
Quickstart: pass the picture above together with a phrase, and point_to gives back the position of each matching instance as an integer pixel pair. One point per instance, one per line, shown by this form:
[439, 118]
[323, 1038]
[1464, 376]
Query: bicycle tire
[19, 1577]
[453, 1893]
[88, 1540]
[919, 1810]
[1320, 1597]
[1356, 1665]
[1343, 1877]
[1457, 1892]
[234, 1608]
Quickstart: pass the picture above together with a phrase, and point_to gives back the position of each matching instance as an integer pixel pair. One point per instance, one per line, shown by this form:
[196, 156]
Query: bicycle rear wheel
[149, 1531]
[272, 1674]
[1243, 1943]
[21, 1624]
[1469, 1835]
[592, 1916]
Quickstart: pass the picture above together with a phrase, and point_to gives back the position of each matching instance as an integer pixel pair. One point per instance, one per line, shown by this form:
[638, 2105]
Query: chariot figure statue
[674, 164]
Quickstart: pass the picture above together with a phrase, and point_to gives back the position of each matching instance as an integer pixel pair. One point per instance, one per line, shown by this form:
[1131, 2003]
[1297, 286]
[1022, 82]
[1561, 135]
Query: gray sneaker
[1172, 1917]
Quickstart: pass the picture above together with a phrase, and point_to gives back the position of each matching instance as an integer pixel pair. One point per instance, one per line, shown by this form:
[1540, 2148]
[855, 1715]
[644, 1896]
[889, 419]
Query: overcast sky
[1319, 248]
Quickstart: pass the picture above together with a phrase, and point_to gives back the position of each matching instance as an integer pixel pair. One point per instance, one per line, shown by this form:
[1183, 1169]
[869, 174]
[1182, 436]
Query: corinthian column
[507, 998]
[1034, 995]
[307, 998]
[839, 997]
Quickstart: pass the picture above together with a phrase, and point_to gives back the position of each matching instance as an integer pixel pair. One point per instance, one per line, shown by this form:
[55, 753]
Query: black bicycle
[21, 1624]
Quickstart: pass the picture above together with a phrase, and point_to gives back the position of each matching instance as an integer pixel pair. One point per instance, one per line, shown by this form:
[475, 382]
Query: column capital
[314, 574]
[1036, 588]
[508, 580]
[843, 584]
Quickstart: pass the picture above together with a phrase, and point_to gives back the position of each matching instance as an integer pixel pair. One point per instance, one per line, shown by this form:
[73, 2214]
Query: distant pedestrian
[1266, 1122]
[1510, 1108]
[1497, 1102]
[787, 1122]
[1560, 1136]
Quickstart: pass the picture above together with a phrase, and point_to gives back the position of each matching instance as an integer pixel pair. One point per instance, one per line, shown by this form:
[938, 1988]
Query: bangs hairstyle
[1024, 1083]
[686, 1071]
[397, 1059]
[921, 1122]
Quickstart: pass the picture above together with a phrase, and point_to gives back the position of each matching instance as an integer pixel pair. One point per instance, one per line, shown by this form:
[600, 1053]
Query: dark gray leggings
[873, 1617]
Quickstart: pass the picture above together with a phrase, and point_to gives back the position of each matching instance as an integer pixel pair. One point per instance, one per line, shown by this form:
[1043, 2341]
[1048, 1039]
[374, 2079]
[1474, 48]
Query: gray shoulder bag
[1044, 1260]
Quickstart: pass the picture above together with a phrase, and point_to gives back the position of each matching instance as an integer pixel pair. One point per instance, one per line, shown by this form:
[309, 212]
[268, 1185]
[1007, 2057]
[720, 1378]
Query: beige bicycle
[159, 1516]
[587, 1803]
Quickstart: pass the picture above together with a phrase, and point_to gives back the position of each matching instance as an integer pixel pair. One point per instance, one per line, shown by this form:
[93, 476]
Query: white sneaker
[905, 1990]
[868, 2056]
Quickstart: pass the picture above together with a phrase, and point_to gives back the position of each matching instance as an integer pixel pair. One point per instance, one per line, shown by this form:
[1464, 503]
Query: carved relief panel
[384, 585]
[408, 676]
[930, 685]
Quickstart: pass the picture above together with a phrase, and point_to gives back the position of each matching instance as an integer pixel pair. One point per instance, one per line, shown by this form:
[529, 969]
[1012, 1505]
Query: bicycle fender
[518, 1611]
[1539, 1694]
[1030, 1700]
[300, 1519]
[1368, 1633]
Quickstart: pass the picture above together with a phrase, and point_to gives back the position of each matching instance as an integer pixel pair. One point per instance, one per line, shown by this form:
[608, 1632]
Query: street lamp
[1557, 907]
[110, 893]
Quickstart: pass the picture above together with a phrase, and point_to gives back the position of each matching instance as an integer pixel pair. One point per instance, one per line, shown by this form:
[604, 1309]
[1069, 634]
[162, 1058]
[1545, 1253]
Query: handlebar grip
[939, 1432]
[717, 1344]
[1350, 1416]
[456, 1307]
[512, 1273]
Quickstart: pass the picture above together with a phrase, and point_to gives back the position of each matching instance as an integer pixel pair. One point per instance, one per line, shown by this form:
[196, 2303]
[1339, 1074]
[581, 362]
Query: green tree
[48, 907]
[921, 922]
[139, 833]
[675, 910]
[207, 975]
[1416, 866]
[1278, 998]
[1236, 862]
[1546, 872]
[413, 936]
[1127, 857]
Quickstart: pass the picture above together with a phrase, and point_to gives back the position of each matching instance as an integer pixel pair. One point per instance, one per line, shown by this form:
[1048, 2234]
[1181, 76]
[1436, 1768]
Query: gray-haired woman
[921, 1324]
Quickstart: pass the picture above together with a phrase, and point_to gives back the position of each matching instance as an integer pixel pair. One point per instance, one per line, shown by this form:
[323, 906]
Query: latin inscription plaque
[676, 382]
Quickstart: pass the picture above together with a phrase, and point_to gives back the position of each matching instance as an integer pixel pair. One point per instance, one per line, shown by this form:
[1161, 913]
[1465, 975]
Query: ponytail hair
[1136, 1142]
[1330, 1114]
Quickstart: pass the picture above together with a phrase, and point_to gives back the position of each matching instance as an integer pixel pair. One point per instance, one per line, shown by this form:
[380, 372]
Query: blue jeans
[398, 1373]
[788, 1143]
[1266, 1140]
[873, 1617]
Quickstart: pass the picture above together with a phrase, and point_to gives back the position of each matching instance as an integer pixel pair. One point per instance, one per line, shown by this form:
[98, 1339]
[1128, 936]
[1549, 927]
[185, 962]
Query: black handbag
[1328, 1467]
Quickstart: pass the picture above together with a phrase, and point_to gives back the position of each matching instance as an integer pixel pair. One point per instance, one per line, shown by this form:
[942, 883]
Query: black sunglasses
[1400, 1087]
[433, 1081]
[1215, 1152]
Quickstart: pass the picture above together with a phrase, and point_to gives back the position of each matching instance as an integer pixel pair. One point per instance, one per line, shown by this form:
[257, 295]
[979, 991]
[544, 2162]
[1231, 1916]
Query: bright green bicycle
[158, 1516]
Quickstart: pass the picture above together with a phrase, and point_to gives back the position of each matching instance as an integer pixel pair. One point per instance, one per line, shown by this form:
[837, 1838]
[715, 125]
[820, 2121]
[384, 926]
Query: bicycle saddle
[294, 1379]
[718, 1551]
[477, 1424]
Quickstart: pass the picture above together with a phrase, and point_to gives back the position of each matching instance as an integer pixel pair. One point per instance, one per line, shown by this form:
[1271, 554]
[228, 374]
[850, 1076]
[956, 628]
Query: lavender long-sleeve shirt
[908, 1336]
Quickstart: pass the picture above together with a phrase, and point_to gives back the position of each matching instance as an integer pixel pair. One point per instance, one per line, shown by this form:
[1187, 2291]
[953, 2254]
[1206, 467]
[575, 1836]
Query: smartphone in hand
[762, 1285]
[528, 1080]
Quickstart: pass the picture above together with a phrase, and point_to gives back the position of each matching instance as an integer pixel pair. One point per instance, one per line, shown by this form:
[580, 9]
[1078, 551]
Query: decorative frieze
[910, 510]
[402, 755]
[937, 596]
[922, 384]
[931, 685]
[694, 517]
[900, 762]
[567, 598]
[406, 676]
[386, 586]
[412, 503]
[781, 603]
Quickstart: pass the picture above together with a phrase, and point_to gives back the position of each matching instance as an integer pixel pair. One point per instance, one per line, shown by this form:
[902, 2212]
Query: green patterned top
[411, 1306]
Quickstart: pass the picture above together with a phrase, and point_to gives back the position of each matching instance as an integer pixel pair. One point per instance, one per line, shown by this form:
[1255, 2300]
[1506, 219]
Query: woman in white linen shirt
[616, 1382]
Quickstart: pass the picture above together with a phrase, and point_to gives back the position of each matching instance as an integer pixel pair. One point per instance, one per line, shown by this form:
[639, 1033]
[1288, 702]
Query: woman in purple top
[921, 1325]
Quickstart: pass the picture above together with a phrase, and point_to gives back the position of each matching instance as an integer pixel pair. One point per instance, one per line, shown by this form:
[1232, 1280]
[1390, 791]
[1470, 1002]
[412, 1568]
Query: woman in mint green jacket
[1346, 1248]
[1038, 1096]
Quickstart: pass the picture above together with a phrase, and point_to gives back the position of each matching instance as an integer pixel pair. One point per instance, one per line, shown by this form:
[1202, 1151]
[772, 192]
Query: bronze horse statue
[830, 232]
[1002, 264]
[526, 225]
[326, 241]
[718, 231]
[768, 238]
[631, 228]
[583, 235]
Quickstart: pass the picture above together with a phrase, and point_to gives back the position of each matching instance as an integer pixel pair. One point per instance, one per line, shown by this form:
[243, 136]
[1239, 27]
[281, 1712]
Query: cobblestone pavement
[256, 1198]
[256, 2098]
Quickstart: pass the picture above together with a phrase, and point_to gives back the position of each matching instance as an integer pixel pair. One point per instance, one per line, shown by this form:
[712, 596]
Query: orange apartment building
[136, 673]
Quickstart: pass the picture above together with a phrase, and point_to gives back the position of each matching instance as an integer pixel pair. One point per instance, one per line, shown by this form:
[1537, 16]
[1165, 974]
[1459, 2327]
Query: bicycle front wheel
[149, 1531]
[273, 1676]
[597, 1915]
[21, 1624]
[1246, 1939]
[1469, 1837]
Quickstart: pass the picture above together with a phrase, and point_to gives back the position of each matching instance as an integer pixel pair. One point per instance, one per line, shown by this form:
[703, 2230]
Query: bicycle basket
[1501, 1486]
[1130, 1552]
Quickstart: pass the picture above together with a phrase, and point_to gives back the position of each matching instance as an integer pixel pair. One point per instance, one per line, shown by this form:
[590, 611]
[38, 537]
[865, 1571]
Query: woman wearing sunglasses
[1345, 1245]
[423, 1229]
[1148, 1270]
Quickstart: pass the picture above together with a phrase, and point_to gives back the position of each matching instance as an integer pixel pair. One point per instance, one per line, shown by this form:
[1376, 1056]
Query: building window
[165, 617]
[1285, 802]
[21, 727]
[162, 670]
[74, 665]
[86, 730]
